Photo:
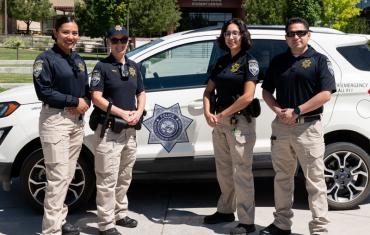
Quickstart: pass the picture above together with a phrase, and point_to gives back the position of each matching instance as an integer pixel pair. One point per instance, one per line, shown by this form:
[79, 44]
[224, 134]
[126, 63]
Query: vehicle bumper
[5, 170]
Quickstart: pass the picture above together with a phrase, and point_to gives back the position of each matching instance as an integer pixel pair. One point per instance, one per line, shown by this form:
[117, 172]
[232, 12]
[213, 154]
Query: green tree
[337, 13]
[264, 11]
[307, 9]
[30, 10]
[94, 17]
[357, 25]
[152, 17]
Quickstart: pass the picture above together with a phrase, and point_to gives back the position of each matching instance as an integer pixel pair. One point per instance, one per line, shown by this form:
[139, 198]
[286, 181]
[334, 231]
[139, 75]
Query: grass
[23, 54]
[16, 65]
[2, 89]
[15, 78]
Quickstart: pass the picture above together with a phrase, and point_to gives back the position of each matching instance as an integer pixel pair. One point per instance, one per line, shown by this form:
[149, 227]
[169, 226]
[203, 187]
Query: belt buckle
[300, 120]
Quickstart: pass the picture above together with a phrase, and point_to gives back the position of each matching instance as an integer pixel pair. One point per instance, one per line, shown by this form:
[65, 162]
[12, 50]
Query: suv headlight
[7, 108]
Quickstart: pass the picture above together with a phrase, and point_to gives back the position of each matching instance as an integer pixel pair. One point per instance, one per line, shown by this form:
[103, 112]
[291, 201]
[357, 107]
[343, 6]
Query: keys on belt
[304, 119]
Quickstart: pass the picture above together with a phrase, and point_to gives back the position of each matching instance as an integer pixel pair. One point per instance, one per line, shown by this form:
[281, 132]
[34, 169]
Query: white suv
[175, 141]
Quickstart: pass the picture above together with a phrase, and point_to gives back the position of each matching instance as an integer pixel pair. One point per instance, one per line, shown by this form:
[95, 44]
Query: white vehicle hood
[23, 95]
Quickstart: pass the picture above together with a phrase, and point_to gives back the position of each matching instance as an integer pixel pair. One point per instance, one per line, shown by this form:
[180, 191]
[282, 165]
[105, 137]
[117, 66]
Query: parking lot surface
[178, 208]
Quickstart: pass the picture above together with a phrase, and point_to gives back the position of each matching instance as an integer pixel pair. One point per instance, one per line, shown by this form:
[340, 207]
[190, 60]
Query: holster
[252, 110]
[106, 120]
[118, 124]
[94, 119]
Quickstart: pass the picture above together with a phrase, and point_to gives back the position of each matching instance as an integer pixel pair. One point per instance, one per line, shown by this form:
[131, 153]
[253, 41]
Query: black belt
[47, 106]
[303, 119]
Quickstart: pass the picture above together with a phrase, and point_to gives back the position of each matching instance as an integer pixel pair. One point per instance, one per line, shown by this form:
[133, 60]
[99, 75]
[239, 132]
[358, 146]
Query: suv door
[174, 80]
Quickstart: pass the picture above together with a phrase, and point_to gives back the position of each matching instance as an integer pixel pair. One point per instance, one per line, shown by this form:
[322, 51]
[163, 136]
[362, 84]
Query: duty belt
[304, 119]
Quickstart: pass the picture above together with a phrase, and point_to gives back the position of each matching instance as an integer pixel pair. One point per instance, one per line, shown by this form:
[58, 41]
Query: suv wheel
[347, 169]
[33, 182]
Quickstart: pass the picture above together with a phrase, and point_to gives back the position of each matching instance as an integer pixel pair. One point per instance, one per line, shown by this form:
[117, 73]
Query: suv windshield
[143, 47]
[358, 56]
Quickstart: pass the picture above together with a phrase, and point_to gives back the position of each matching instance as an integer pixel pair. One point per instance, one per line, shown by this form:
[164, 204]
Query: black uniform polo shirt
[120, 89]
[298, 79]
[60, 79]
[230, 75]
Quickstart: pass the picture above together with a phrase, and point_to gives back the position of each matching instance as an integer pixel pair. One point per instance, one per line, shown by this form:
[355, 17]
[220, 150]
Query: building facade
[202, 13]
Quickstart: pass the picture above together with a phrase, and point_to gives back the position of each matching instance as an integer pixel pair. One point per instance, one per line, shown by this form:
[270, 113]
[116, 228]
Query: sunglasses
[116, 40]
[299, 33]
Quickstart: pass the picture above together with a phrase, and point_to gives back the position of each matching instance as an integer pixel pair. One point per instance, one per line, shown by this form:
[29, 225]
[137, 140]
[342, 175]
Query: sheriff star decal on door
[167, 126]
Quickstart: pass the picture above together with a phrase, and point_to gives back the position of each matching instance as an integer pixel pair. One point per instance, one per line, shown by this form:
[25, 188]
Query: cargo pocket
[316, 152]
[52, 148]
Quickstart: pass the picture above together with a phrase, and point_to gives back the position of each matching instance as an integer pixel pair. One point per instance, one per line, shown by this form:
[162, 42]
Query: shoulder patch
[330, 67]
[253, 67]
[37, 68]
[95, 78]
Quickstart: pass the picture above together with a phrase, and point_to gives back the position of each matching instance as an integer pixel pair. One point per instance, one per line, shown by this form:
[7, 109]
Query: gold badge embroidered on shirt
[234, 67]
[306, 63]
[132, 72]
[81, 67]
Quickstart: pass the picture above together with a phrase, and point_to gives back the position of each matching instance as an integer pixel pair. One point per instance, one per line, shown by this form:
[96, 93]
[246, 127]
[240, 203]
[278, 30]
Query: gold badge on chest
[234, 67]
[306, 63]
[132, 72]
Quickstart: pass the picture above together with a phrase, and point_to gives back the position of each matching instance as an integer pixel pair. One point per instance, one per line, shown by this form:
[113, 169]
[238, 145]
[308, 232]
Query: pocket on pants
[106, 164]
[51, 139]
[317, 151]
[54, 149]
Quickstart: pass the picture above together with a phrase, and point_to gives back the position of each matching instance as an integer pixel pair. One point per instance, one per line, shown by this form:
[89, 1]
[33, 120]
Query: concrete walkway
[179, 209]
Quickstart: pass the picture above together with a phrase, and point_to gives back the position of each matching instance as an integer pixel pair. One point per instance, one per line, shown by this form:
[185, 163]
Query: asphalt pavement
[178, 208]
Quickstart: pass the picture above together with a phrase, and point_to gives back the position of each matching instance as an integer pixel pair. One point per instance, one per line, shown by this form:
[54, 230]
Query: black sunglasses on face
[116, 40]
[299, 33]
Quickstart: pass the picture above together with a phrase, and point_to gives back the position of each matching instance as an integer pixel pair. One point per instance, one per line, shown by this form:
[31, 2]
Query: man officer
[118, 94]
[303, 80]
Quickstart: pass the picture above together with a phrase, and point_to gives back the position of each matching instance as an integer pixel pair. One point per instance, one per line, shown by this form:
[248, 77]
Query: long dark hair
[246, 41]
[60, 21]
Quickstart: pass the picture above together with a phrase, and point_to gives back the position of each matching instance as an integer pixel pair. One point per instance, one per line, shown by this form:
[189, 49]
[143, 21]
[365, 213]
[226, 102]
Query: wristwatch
[297, 110]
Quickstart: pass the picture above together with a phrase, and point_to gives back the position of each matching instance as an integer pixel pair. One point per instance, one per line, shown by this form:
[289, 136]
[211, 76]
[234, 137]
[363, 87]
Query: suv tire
[33, 182]
[347, 169]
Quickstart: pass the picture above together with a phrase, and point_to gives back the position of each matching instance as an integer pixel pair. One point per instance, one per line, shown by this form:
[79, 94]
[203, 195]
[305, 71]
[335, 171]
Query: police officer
[303, 80]
[61, 83]
[117, 89]
[234, 78]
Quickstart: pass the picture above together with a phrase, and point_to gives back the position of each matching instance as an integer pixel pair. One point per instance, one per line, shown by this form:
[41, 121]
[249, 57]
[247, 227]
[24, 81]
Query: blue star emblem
[167, 126]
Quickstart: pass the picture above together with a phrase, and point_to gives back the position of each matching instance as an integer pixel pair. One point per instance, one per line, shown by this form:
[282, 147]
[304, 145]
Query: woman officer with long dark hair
[61, 83]
[234, 135]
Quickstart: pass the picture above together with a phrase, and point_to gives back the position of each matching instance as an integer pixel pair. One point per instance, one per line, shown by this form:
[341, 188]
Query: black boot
[273, 230]
[111, 231]
[218, 218]
[127, 222]
[69, 229]
[243, 229]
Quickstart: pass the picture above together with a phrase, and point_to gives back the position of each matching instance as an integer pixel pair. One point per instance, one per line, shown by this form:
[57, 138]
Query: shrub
[357, 25]
[14, 42]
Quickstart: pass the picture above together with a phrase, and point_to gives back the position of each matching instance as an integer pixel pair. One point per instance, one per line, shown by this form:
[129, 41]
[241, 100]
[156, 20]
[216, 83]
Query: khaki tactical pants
[114, 159]
[233, 149]
[303, 142]
[61, 137]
